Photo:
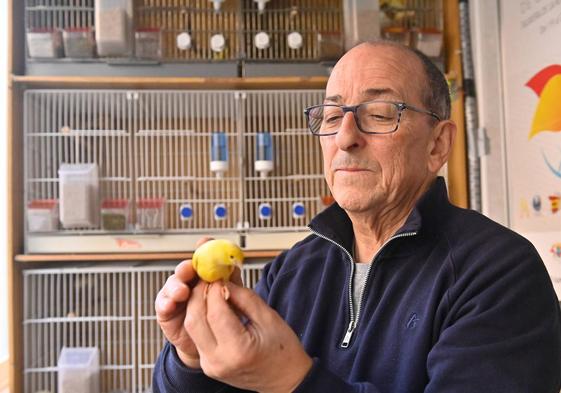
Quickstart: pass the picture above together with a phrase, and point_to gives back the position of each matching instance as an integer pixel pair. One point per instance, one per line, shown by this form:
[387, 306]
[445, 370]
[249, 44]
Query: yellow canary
[216, 259]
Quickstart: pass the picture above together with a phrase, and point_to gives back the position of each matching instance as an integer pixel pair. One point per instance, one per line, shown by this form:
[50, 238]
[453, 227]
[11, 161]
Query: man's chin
[353, 203]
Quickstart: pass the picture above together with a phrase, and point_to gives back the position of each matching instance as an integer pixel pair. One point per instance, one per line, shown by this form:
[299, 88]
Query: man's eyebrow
[335, 98]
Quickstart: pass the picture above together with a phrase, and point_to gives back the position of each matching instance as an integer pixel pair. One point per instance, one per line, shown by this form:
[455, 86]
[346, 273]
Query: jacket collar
[334, 223]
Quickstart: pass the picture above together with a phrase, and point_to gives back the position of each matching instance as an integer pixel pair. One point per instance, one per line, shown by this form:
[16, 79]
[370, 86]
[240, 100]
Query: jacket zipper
[353, 322]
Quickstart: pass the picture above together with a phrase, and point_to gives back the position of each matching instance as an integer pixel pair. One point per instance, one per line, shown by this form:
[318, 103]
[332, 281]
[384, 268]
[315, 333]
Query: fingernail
[225, 293]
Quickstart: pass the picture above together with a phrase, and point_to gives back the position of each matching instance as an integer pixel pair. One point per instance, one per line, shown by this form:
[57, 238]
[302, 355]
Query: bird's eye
[231, 257]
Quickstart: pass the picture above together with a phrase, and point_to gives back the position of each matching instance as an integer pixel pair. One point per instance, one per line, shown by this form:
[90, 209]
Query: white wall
[3, 180]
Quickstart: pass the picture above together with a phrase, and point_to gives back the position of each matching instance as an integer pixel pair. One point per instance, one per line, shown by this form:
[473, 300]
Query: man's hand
[171, 304]
[258, 352]
[170, 312]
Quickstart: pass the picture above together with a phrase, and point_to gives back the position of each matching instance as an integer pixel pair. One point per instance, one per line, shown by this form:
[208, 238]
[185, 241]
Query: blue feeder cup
[185, 212]
[298, 210]
[220, 212]
[265, 211]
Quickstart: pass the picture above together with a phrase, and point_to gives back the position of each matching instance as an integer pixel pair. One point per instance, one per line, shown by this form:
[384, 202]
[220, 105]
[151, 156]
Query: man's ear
[440, 146]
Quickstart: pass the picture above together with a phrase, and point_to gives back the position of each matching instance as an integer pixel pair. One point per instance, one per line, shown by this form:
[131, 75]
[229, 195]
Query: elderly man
[396, 290]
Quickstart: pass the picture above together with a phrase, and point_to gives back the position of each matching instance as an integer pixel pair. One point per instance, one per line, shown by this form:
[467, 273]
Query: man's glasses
[372, 117]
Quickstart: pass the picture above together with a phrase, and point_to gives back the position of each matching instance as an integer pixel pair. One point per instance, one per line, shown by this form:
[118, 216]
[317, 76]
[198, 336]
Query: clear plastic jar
[42, 215]
[429, 41]
[148, 43]
[150, 214]
[79, 42]
[44, 43]
[115, 214]
[398, 34]
[79, 195]
[113, 22]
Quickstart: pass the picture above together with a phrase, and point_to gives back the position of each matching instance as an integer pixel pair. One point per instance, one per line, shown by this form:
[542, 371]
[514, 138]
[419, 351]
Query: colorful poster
[531, 58]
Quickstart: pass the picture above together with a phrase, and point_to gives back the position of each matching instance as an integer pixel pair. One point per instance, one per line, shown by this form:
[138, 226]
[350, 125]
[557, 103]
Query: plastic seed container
[150, 214]
[397, 34]
[219, 153]
[78, 370]
[330, 45]
[42, 215]
[79, 42]
[113, 20]
[429, 41]
[264, 153]
[79, 195]
[115, 214]
[44, 43]
[148, 43]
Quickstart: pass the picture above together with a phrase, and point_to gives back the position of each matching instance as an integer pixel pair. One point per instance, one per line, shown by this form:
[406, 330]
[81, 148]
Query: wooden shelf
[100, 82]
[31, 258]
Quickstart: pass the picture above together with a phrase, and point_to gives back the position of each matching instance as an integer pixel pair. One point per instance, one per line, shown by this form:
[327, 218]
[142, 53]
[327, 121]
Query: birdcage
[212, 37]
[288, 30]
[415, 23]
[72, 307]
[199, 30]
[77, 157]
[60, 28]
[187, 151]
[283, 178]
[109, 170]
[110, 307]
[131, 38]
[59, 13]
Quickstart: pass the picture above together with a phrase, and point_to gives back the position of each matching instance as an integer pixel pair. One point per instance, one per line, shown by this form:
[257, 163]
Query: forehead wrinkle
[376, 92]
[368, 94]
[380, 67]
[333, 98]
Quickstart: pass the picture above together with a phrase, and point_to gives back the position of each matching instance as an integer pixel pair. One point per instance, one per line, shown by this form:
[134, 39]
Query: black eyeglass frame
[401, 106]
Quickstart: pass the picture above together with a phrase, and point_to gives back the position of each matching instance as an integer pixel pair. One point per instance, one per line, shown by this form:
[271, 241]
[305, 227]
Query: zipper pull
[348, 335]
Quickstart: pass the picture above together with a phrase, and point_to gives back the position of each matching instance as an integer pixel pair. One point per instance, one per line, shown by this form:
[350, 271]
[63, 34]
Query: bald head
[428, 81]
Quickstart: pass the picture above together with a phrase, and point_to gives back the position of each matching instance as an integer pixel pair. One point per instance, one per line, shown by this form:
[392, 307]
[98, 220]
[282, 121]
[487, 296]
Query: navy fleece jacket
[453, 303]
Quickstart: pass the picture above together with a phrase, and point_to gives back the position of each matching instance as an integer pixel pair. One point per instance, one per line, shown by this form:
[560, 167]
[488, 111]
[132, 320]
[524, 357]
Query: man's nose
[349, 135]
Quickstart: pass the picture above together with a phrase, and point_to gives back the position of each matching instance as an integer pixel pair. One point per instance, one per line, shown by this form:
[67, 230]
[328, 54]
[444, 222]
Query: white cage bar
[79, 308]
[60, 14]
[196, 18]
[297, 175]
[313, 20]
[110, 307]
[318, 22]
[77, 127]
[173, 136]
[153, 148]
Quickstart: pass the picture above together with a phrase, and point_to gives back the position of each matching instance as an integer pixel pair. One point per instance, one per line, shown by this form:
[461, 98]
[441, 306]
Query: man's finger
[196, 319]
[222, 319]
[248, 303]
[184, 271]
[203, 240]
[165, 307]
[176, 290]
